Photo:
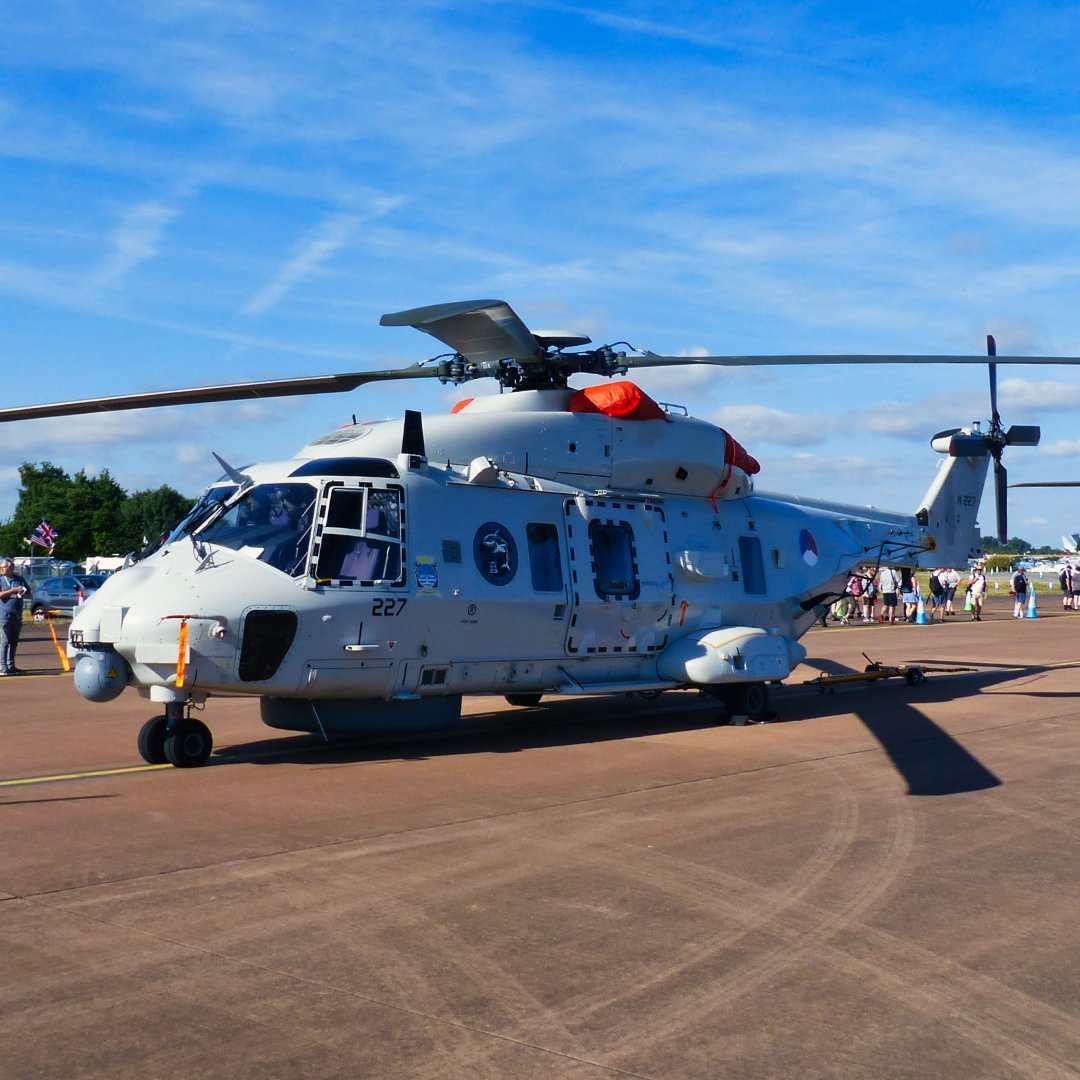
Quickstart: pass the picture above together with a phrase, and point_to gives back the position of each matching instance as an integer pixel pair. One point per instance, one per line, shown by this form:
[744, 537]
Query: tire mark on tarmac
[771, 910]
[1028, 1035]
[1021, 1032]
[708, 889]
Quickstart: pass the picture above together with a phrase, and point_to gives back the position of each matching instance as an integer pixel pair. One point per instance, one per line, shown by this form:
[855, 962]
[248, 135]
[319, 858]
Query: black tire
[39, 613]
[188, 744]
[914, 677]
[752, 701]
[527, 701]
[152, 740]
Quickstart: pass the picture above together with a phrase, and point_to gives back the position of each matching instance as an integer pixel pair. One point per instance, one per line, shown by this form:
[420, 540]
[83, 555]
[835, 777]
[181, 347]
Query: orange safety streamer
[181, 659]
[59, 651]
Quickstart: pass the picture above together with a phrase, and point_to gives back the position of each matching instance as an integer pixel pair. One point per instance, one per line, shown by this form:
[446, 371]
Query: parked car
[61, 593]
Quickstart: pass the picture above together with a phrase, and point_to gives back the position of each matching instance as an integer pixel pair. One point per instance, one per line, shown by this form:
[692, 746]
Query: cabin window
[753, 565]
[360, 539]
[614, 572]
[271, 522]
[545, 559]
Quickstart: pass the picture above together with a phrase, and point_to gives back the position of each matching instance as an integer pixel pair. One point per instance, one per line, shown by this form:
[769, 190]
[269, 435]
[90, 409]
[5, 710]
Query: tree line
[92, 515]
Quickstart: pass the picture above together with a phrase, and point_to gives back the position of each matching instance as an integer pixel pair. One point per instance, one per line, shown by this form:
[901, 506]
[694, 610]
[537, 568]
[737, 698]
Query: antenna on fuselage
[412, 434]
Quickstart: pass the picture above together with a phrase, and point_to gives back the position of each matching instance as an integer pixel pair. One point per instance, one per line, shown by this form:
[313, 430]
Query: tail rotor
[997, 439]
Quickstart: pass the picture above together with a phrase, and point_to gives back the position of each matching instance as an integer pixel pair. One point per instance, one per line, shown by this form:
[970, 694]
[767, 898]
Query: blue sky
[200, 192]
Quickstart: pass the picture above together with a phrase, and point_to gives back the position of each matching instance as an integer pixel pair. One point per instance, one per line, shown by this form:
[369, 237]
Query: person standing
[1018, 586]
[976, 590]
[889, 584]
[937, 589]
[13, 589]
[869, 595]
[952, 583]
[909, 593]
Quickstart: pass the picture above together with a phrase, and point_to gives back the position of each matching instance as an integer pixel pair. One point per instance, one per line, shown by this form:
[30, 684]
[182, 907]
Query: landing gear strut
[176, 739]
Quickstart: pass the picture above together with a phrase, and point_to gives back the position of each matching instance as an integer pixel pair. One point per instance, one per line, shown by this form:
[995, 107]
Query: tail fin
[950, 507]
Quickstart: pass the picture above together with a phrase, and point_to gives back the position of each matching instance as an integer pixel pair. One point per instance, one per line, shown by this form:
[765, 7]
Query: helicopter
[544, 540]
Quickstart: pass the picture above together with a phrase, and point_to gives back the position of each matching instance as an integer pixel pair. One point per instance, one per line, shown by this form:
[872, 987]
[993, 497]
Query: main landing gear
[528, 701]
[175, 739]
[743, 699]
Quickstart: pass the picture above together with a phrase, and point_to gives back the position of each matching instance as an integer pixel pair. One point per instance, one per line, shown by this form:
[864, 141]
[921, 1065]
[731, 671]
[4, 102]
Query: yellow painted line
[81, 776]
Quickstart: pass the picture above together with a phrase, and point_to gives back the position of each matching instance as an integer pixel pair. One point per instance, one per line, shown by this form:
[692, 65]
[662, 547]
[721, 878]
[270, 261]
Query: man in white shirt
[889, 584]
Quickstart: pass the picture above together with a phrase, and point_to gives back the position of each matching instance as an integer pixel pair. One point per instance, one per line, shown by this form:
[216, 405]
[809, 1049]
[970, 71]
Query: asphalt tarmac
[882, 882]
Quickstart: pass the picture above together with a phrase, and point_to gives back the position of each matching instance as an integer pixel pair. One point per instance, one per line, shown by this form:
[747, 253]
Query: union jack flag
[44, 536]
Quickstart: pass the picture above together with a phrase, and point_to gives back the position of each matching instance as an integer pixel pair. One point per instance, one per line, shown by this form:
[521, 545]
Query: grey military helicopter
[544, 540]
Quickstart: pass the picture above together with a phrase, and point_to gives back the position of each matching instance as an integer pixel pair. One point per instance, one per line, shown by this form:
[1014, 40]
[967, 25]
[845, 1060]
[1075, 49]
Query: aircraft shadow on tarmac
[930, 760]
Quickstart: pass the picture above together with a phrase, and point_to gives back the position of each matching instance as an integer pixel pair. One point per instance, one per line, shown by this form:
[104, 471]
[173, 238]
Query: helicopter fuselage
[525, 549]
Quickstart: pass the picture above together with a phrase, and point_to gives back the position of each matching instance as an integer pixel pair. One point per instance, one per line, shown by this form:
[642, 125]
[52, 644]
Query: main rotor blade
[1048, 483]
[316, 384]
[650, 359]
[481, 330]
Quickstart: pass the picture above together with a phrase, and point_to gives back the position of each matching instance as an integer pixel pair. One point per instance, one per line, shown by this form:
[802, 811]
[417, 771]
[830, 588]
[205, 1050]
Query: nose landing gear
[175, 739]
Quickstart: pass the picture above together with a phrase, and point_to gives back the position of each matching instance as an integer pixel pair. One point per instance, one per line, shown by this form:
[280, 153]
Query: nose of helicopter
[151, 618]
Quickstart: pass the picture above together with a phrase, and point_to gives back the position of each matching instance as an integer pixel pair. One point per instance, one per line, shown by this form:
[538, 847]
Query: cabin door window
[360, 536]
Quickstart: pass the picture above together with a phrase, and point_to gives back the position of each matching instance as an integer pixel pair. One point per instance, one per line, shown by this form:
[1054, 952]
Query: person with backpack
[937, 595]
[1018, 586]
[1065, 578]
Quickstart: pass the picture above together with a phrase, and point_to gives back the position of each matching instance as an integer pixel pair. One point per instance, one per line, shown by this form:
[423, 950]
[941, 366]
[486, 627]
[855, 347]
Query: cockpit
[271, 522]
[351, 534]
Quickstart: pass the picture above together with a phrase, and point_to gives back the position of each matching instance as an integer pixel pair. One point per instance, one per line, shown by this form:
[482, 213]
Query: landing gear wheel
[752, 701]
[188, 744]
[915, 676]
[527, 701]
[152, 740]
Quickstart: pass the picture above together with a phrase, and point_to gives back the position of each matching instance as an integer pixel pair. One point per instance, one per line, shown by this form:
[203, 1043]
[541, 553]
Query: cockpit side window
[360, 541]
[271, 522]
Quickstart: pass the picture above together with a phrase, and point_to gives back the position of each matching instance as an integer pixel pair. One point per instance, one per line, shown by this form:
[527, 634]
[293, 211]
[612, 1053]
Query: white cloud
[317, 248]
[760, 423]
[1050, 396]
[135, 240]
[1062, 448]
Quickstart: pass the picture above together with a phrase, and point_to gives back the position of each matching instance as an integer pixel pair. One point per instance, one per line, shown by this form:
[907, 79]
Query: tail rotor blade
[991, 350]
[1023, 435]
[1001, 489]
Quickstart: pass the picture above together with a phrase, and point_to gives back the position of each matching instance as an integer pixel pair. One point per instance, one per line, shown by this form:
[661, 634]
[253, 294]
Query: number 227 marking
[388, 605]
